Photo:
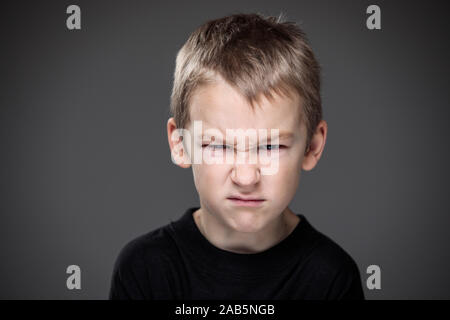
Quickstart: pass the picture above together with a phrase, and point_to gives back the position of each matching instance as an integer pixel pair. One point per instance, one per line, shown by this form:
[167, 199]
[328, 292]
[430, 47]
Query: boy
[242, 72]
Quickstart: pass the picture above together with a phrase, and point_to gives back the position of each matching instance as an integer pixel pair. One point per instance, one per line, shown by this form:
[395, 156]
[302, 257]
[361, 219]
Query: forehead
[219, 105]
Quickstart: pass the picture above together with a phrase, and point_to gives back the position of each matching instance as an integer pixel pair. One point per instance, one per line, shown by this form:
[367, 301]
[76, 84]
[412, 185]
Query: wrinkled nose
[246, 174]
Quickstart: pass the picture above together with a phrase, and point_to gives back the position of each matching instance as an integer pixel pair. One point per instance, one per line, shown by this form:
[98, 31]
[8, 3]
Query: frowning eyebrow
[282, 135]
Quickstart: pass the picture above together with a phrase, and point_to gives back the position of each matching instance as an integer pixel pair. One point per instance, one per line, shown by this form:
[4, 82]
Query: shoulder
[138, 261]
[330, 255]
[146, 247]
[334, 268]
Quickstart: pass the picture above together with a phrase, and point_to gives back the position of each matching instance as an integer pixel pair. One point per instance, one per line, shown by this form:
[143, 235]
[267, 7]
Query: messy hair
[255, 55]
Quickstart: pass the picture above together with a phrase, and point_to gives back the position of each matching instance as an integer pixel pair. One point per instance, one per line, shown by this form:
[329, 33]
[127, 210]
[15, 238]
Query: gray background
[85, 163]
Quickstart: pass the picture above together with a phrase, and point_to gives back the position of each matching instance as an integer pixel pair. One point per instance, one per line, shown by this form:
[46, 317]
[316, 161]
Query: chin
[247, 222]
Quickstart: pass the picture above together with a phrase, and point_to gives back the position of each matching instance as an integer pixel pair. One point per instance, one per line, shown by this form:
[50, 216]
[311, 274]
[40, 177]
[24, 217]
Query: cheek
[284, 184]
[208, 177]
[286, 179]
[294, 158]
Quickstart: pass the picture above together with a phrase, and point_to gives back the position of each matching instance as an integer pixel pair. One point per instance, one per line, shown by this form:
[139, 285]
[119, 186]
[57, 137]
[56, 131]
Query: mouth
[246, 202]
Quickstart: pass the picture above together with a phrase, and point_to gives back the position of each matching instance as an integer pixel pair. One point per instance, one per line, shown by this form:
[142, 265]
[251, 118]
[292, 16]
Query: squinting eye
[270, 146]
[215, 146]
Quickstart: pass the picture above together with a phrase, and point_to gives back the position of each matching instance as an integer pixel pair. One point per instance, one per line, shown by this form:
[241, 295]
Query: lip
[246, 202]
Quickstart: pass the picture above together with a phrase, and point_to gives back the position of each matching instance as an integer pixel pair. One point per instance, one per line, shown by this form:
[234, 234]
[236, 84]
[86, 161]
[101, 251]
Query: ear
[178, 152]
[316, 146]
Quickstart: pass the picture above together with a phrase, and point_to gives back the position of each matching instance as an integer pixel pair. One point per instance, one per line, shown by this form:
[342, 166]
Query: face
[219, 107]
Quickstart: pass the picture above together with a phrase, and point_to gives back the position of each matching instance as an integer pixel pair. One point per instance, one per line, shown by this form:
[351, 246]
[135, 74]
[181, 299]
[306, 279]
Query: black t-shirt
[176, 261]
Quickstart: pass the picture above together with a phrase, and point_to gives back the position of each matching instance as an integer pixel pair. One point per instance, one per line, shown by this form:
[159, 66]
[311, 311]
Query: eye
[269, 147]
[216, 146]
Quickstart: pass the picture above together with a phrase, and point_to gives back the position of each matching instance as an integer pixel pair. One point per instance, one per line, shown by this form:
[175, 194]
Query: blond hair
[254, 54]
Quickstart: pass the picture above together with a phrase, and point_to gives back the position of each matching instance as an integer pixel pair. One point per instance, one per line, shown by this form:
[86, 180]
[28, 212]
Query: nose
[246, 175]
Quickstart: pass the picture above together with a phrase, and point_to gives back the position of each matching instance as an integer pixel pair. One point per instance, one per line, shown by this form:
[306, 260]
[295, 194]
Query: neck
[225, 238]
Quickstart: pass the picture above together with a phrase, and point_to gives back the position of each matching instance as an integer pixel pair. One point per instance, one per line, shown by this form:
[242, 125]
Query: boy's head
[247, 72]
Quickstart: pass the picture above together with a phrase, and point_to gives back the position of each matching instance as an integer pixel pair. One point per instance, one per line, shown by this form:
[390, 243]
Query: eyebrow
[285, 135]
[282, 135]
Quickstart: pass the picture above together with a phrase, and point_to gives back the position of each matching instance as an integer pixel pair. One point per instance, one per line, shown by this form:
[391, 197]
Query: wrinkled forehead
[219, 106]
